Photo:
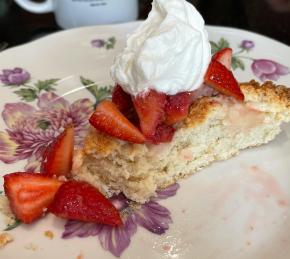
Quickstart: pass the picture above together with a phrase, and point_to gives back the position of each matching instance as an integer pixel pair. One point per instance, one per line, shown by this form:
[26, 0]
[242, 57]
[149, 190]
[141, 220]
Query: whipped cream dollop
[169, 52]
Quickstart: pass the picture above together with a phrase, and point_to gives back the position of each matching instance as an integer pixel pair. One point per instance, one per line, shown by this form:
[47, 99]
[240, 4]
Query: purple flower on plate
[16, 76]
[268, 69]
[247, 44]
[151, 215]
[101, 43]
[31, 129]
[98, 43]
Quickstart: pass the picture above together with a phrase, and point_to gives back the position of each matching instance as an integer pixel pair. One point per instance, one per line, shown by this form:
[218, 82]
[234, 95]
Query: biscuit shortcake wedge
[216, 128]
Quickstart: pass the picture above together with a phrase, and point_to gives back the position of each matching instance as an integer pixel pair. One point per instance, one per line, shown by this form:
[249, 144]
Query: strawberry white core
[169, 52]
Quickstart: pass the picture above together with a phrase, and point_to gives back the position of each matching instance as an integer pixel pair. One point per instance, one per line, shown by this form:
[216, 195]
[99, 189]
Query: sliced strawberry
[57, 158]
[223, 80]
[150, 108]
[122, 100]
[164, 133]
[124, 104]
[224, 56]
[107, 118]
[177, 107]
[81, 201]
[30, 194]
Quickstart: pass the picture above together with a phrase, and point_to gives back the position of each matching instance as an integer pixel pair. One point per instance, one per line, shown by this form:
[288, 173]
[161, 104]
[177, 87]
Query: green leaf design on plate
[27, 94]
[13, 225]
[237, 63]
[46, 85]
[110, 43]
[30, 92]
[1, 192]
[98, 92]
[221, 44]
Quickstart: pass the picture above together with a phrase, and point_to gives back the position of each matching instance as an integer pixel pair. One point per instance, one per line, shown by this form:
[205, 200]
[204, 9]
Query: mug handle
[45, 7]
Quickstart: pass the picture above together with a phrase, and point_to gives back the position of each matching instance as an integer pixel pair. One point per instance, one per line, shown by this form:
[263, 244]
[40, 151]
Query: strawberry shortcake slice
[175, 109]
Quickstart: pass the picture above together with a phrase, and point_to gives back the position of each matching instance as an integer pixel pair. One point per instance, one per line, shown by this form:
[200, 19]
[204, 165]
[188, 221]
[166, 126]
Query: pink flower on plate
[31, 129]
[268, 69]
[151, 216]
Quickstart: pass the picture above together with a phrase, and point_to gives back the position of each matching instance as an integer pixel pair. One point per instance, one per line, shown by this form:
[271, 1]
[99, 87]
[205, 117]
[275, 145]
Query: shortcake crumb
[5, 238]
[80, 256]
[49, 234]
[9, 218]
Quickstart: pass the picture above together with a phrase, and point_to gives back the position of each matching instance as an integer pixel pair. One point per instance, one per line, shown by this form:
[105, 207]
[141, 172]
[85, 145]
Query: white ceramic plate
[233, 209]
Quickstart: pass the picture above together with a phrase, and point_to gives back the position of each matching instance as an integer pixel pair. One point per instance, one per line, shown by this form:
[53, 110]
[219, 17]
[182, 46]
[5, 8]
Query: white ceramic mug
[75, 13]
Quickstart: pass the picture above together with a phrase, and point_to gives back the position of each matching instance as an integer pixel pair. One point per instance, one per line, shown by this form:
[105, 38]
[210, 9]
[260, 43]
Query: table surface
[267, 17]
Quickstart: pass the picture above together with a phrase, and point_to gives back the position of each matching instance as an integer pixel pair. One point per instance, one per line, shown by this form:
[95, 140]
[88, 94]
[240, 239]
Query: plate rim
[107, 26]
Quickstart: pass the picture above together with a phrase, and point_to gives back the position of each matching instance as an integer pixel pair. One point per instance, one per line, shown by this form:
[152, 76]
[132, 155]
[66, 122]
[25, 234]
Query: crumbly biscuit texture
[216, 128]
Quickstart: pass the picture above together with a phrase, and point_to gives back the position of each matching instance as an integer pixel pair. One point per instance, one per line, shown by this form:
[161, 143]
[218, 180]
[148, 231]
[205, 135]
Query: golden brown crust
[267, 92]
[98, 142]
[199, 111]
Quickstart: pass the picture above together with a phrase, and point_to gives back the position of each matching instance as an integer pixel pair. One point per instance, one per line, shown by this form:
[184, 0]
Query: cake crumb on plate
[80, 256]
[5, 210]
[49, 234]
[5, 238]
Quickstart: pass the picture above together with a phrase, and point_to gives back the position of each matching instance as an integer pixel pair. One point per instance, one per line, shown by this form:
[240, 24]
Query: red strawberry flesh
[57, 158]
[177, 107]
[163, 134]
[122, 100]
[150, 108]
[224, 56]
[108, 119]
[223, 80]
[29, 194]
[124, 103]
[81, 201]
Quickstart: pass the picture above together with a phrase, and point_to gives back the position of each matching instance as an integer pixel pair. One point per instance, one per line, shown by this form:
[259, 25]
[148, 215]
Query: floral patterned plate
[233, 209]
